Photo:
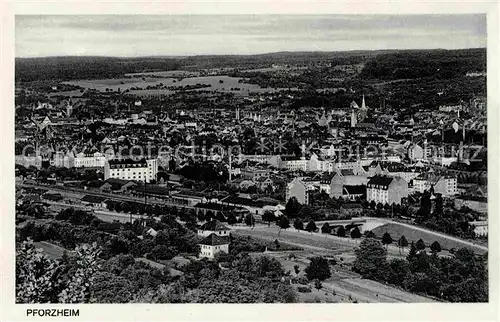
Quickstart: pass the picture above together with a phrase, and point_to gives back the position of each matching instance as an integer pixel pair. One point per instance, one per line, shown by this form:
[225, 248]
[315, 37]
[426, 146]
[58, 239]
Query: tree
[284, 223]
[435, 247]
[277, 244]
[370, 259]
[425, 206]
[220, 217]
[305, 212]
[125, 207]
[318, 268]
[311, 226]
[341, 231]
[412, 254]
[77, 289]
[163, 252]
[397, 271]
[36, 276]
[201, 216]
[268, 216]
[298, 224]
[41, 280]
[231, 219]
[249, 220]
[296, 269]
[402, 242]
[370, 234]
[355, 233]
[438, 206]
[386, 239]
[420, 244]
[373, 204]
[292, 207]
[110, 204]
[317, 284]
[325, 229]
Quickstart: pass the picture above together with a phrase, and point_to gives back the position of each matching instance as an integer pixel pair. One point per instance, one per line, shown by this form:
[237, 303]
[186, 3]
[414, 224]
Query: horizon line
[254, 54]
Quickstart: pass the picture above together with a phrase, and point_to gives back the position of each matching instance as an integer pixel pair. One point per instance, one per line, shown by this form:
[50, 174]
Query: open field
[218, 83]
[345, 286]
[73, 93]
[51, 250]
[166, 73]
[318, 242]
[396, 230]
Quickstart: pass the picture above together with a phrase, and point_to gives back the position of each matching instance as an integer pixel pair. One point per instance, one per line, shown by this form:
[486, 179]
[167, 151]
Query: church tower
[354, 118]
[69, 110]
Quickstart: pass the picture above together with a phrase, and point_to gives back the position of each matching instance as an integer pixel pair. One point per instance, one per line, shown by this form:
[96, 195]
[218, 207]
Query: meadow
[139, 85]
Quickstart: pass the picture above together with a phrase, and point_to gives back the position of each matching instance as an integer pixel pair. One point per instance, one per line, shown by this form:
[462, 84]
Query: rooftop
[213, 225]
[214, 240]
[383, 181]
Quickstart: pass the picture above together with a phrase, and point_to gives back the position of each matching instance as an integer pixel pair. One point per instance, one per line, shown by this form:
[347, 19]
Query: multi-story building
[318, 164]
[213, 227]
[298, 189]
[273, 160]
[445, 185]
[212, 245]
[343, 179]
[254, 173]
[294, 163]
[89, 160]
[141, 170]
[417, 152]
[386, 190]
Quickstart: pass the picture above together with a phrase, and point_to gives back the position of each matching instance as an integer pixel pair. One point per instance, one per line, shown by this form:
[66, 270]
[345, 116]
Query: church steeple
[363, 104]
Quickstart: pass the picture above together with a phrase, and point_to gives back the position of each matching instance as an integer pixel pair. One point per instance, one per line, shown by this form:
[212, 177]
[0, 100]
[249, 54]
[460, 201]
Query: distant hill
[441, 64]
[383, 64]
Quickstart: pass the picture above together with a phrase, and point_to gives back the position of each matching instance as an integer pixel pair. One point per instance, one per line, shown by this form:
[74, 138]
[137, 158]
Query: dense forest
[441, 64]
[71, 68]
[385, 65]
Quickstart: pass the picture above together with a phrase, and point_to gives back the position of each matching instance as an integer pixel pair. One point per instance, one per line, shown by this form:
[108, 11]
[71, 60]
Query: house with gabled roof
[213, 227]
[386, 190]
[213, 244]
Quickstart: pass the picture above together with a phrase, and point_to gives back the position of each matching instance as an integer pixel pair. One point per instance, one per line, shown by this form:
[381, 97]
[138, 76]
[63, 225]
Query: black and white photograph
[255, 158]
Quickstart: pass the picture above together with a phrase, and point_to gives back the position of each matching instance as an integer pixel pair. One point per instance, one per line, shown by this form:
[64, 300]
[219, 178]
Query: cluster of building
[350, 152]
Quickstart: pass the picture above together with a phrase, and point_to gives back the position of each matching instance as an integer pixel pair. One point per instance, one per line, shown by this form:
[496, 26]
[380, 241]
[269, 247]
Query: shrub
[304, 289]
[302, 280]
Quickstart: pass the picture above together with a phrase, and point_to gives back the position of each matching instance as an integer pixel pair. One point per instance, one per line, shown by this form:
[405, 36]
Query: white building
[349, 164]
[318, 164]
[445, 185]
[273, 160]
[142, 170]
[300, 190]
[212, 245]
[89, 160]
[480, 227]
[213, 227]
[294, 164]
[386, 190]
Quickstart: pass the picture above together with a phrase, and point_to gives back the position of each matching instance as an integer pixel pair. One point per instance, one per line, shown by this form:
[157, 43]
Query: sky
[180, 35]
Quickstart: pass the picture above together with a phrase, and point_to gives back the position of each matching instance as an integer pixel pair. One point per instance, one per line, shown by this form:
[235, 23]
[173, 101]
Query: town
[331, 177]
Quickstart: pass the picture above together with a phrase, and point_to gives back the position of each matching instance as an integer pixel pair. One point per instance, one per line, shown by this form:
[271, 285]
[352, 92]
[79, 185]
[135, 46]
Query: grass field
[167, 73]
[413, 234]
[51, 250]
[320, 243]
[73, 93]
[344, 286]
[128, 83]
